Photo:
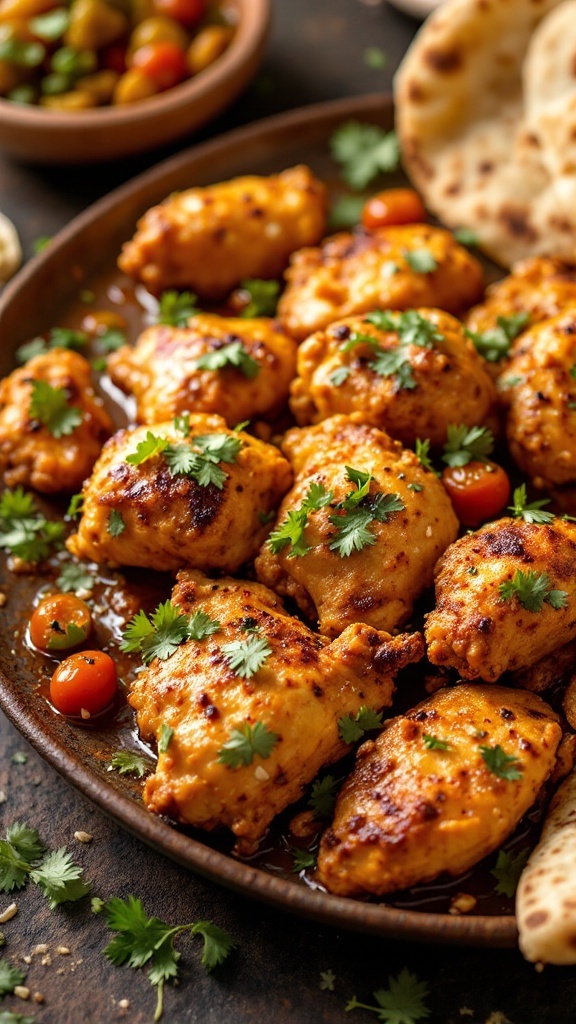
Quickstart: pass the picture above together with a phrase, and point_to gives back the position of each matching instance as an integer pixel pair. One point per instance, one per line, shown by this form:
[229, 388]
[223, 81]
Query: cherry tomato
[84, 684]
[165, 63]
[477, 491]
[393, 206]
[59, 622]
[187, 12]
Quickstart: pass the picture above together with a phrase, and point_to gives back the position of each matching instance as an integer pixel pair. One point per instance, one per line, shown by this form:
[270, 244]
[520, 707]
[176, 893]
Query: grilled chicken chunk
[240, 369]
[505, 597]
[412, 377]
[358, 559]
[210, 239]
[52, 425]
[300, 689]
[539, 391]
[439, 789]
[172, 499]
[354, 273]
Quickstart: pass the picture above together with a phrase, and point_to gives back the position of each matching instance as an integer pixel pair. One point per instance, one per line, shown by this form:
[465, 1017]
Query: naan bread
[546, 898]
[486, 114]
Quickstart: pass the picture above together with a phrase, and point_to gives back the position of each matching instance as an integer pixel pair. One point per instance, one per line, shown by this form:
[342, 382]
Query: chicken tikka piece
[240, 369]
[538, 390]
[52, 424]
[358, 535]
[535, 290]
[211, 239]
[391, 268]
[192, 493]
[289, 703]
[439, 789]
[505, 598]
[409, 373]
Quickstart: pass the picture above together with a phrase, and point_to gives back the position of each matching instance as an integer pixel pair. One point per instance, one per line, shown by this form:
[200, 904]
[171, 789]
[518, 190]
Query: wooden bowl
[39, 135]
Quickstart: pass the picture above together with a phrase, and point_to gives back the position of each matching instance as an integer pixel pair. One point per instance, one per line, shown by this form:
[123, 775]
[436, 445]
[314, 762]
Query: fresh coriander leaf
[51, 26]
[245, 743]
[13, 869]
[339, 376]
[9, 977]
[359, 509]
[125, 761]
[532, 589]
[352, 729]
[21, 52]
[421, 261]
[472, 570]
[530, 513]
[509, 382]
[67, 337]
[353, 533]
[181, 459]
[467, 444]
[17, 504]
[75, 506]
[358, 338]
[323, 796]
[303, 860]
[394, 362]
[115, 523]
[362, 481]
[508, 870]
[30, 349]
[201, 625]
[327, 979]
[504, 765]
[235, 354]
[403, 1002]
[363, 151]
[166, 734]
[411, 327]
[495, 343]
[345, 212]
[49, 406]
[291, 531]
[60, 879]
[111, 340]
[147, 449]
[266, 517]
[62, 639]
[218, 944]
[466, 237]
[416, 487]
[40, 243]
[422, 450]
[433, 743]
[23, 529]
[263, 297]
[74, 577]
[246, 657]
[241, 426]
[375, 58]
[8, 1017]
[219, 447]
[25, 841]
[176, 308]
[158, 636]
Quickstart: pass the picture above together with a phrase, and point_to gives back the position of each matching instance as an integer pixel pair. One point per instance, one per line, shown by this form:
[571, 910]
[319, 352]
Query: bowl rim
[253, 23]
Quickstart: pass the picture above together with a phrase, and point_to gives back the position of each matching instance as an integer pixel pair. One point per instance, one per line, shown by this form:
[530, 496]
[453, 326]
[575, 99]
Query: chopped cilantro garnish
[60, 879]
[494, 343]
[111, 340]
[160, 634]
[49, 406]
[166, 734]
[530, 513]
[10, 976]
[345, 212]
[151, 445]
[246, 657]
[201, 625]
[75, 506]
[422, 451]
[411, 327]
[466, 237]
[403, 1002]
[433, 743]
[467, 444]
[365, 720]
[115, 523]
[23, 529]
[323, 796]
[508, 870]
[504, 765]
[263, 297]
[291, 531]
[304, 860]
[359, 509]
[235, 354]
[176, 308]
[23, 856]
[533, 590]
[363, 151]
[126, 761]
[339, 376]
[245, 743]
[421, 261]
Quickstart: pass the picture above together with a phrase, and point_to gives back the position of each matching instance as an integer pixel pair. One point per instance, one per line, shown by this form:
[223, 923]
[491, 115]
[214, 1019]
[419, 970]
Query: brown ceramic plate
[44, 294]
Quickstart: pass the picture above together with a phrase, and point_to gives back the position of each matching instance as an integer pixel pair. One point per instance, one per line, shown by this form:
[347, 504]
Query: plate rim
[244, 878]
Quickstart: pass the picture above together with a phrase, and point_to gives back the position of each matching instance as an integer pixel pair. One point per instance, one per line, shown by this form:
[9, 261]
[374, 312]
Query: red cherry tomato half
[165, 63]
[393, 206]
[59, 622]
[84, 684]
[187, 12]
[477, 491]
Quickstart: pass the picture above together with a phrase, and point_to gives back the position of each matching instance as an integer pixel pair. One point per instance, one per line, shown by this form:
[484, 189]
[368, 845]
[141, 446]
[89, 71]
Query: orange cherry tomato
[165, 63]
[84, 684]
[477, 491]
[393, 206]
[59, 622]
[187, 12]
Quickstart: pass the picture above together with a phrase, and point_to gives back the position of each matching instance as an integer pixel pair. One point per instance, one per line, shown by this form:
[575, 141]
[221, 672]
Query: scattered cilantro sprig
[246, 657]
[533, 590]
[58, 337]
[529, 512]
[505, 766]
[507, 871]
[434, 743]
[184, 459]
[73, 577]
[235, 354]
[176, 308]
[24, 531]
[410, 327]
[127, 762]
[421, 261]
[353, 516]
[291, 531]
[323, 796]
[10, 976]
[403, 1002]
[23, 855]
[352, 729]
[262, 297]
[245, 742]
[495, 343]
[467, 444]
[50, 407]
[363, 151]
[160, 634]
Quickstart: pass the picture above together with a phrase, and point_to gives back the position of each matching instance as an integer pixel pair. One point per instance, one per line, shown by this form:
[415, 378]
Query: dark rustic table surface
[317, 51]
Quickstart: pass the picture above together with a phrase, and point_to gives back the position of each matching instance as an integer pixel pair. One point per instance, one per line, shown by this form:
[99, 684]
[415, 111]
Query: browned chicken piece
[52, 425]
[539, 391]
[301, 687]
[210, 239]
[359, 559]
[549, 671]
[164, 500]
[505, 598]
[240, 369]
[539, 287]
[354, 273]
[439, 789]
[412, 377]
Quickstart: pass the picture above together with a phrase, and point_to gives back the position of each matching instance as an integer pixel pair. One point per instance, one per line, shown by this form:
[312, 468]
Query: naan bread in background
[486, 115]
